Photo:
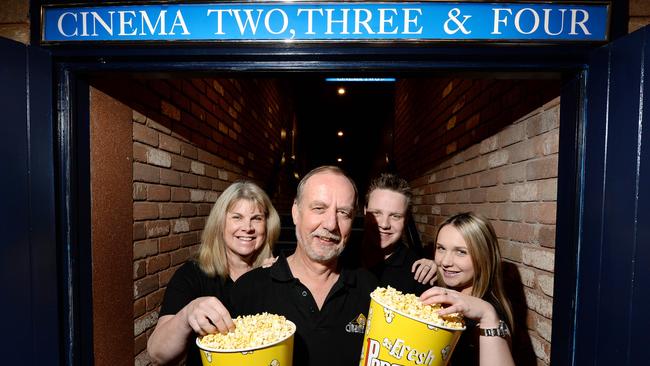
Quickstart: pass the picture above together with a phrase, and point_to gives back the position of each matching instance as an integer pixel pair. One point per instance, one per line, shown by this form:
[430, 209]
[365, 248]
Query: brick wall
[511, 177]
[14, 20]
[435, 118]
[208, 134]
[639, 14]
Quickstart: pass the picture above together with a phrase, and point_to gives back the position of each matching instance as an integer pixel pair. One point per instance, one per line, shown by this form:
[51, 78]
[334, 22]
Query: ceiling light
[362, 80]
[341, 91]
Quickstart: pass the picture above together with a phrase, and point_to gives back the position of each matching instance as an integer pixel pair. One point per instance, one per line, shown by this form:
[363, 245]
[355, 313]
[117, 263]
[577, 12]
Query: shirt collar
[280, 271]
[398, 258]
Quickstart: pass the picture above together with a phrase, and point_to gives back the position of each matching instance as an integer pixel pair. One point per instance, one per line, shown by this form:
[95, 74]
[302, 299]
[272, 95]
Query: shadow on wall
[522, 347]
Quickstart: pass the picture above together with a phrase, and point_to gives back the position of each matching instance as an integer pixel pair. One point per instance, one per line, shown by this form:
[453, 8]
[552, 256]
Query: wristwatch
[500, 331]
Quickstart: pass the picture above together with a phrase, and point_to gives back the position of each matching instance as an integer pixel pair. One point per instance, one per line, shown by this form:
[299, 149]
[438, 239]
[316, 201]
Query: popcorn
[252, 331]
[411, 305]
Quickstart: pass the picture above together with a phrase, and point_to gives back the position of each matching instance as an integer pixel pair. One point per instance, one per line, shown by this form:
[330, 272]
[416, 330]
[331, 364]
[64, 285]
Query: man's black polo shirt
[396, 271]
[331, 336]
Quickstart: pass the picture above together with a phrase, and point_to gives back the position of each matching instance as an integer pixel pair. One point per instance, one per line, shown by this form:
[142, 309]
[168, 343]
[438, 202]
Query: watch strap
[500, 331]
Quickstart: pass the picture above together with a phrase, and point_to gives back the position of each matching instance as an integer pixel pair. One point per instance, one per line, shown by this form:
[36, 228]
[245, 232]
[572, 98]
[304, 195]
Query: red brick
[189, 210]
[158, 193]
[169, 243]
[477, 195]
[188, 151]
[488, 178]
[145, 286]
[211, 171]
[501, 228]
[547, 189]
[198, 111]
[524, 192]
[139, 308]
[546, 236]
[144, 248]
[139, 191]
[170, 177]
[170, 210]
[511, 135]
[165, 276]
[155, 299]
[524, 233]
[140, 343]
[171, 110]
[139, 269]
[509, 212]
[180, 256]
[540, 212]
[512, 173]
[521, 151]
[189, 180]
[145, 211]
[157, 263]
[204, 209]
[204, 183]
[139, 231]
[180, 194]
[510, 250]
[145, 173]
[542, 168]
[145, 135]
[180, 163]
[140, 152]
[197, 223]
[498, 194]
[170, 144]
[189, 239]
[157, 228]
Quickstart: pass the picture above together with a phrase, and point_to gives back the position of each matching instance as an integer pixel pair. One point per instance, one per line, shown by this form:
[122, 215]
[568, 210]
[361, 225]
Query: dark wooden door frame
[73, 64]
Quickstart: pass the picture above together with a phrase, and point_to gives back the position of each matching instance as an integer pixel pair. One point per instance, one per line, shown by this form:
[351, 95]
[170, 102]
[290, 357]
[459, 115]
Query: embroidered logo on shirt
[357, 325]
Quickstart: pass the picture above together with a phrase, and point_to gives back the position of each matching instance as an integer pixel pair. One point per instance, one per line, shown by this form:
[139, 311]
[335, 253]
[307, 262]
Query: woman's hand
[424, 271]
[469, 306]
[208, 315]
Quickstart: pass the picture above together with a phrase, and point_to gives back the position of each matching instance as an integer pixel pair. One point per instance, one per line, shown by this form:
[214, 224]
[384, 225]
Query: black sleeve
[187, 284]
[246, 293]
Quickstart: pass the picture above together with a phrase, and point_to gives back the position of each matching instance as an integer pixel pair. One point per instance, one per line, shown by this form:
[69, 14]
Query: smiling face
[323, 216]
[453, 260]
[388, 209]
[245, 229]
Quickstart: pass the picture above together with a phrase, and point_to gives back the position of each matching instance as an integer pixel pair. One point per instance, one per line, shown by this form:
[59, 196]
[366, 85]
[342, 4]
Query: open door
[28, 254]
[604, 318]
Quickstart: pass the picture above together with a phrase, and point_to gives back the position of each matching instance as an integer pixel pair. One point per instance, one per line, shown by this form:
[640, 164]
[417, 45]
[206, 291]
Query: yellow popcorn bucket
[279, 353]
[392, 337]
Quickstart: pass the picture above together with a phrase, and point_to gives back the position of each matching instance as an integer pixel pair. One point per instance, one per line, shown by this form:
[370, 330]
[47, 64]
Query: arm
[424, 271]
[170, 338]
[493, 351]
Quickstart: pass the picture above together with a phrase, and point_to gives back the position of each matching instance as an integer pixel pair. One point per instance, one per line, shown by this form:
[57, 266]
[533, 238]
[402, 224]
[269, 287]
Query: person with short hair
[385, 251]
[238, 236]
[327, 301]
[471, 283]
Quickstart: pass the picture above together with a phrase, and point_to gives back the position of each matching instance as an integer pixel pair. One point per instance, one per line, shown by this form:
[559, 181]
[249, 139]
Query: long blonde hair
[483, 247]
[212, 252]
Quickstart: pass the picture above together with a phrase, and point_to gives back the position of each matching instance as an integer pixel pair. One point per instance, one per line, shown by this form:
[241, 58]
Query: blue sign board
[328, 21]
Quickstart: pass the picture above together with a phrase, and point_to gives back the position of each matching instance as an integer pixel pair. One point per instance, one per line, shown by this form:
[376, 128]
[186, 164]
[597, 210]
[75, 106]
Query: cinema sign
[328, 21]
